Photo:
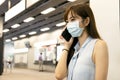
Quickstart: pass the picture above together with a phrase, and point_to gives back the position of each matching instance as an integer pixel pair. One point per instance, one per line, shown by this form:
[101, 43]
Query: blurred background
[31, 27]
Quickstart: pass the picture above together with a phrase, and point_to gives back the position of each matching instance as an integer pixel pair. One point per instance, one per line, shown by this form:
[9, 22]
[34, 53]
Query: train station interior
[30, 28]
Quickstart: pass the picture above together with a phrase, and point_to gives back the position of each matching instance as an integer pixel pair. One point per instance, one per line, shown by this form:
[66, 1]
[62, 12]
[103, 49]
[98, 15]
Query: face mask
[74, 28]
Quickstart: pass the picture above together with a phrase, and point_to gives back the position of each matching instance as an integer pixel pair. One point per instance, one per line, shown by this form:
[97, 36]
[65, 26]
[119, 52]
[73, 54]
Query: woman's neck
[82, 38]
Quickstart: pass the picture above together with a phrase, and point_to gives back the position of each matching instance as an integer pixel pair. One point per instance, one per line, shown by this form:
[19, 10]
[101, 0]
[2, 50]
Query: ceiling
[49, 20]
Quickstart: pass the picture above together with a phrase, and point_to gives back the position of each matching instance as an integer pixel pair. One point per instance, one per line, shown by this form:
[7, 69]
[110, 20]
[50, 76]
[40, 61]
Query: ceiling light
[61, 24]
[2, 1]
[5, 30]
[7, 40]
[71, 0]
[32, 33]
[15, 10]
[31, 2]
[29, 19]
[15, 25]
[48, 10]
[22, 36]
[45, 29]
[14, 38]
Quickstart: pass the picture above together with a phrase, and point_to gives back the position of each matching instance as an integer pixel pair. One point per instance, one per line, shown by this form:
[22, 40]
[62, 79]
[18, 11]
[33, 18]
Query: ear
[87, 21]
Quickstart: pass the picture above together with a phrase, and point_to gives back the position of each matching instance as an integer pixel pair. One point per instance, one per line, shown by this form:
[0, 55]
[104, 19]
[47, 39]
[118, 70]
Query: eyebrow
[72, 17]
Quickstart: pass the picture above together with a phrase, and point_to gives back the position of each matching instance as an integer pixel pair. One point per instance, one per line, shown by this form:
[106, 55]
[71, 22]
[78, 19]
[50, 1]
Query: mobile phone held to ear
[66, 35]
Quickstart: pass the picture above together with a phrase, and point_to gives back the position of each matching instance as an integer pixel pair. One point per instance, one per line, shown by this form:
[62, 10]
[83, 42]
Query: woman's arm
[101, 60]
[61, 69]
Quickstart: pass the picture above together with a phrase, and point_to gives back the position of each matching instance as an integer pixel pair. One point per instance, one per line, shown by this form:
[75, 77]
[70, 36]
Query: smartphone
[66, 35]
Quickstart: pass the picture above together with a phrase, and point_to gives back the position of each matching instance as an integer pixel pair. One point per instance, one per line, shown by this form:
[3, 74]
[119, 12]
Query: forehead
[72, 14]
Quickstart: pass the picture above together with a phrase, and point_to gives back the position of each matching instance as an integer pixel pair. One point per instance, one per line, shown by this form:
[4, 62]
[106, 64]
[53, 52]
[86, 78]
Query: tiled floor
[25, 74]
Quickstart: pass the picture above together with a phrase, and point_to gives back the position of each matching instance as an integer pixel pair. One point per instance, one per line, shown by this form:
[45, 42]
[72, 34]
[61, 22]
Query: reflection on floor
[25, 74]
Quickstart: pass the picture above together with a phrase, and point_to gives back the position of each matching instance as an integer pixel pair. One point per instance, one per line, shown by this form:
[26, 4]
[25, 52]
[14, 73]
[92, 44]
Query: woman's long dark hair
[84, 11]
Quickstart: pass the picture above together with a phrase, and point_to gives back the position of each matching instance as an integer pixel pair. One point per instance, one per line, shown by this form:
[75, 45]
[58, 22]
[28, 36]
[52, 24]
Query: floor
[26, 74]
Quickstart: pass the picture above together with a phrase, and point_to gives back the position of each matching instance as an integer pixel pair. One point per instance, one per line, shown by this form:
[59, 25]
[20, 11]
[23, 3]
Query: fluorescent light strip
[14, 38]
[31, 2]
[15, 10]
[32, 33]
[61, 24]
[2, 1]
[71, 0]
[7, 40]
[29, 19]
[48, 10]
[45, 29]
[22, 36]
[15, 25]
[5, 30]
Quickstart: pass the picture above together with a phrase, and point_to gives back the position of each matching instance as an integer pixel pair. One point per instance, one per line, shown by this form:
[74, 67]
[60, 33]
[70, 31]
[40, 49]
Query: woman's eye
[73, 19]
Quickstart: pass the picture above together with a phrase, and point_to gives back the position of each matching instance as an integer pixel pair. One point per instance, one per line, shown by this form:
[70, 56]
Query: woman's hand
[67, 44]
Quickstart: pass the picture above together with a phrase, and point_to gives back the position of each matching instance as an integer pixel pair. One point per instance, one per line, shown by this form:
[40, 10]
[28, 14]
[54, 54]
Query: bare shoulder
[100, 44]
[100, 49]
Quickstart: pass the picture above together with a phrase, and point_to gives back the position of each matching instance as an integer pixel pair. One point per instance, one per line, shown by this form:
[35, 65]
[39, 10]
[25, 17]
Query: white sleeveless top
[81, 66]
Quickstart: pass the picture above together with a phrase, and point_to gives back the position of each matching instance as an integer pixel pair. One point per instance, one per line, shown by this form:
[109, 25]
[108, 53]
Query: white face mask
[74, 28]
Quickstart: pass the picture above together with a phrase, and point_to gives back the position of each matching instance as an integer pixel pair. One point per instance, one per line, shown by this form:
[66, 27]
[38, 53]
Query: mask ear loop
[83, 19]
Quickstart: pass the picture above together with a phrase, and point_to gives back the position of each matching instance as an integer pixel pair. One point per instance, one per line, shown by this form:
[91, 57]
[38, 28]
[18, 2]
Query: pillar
[1, 45]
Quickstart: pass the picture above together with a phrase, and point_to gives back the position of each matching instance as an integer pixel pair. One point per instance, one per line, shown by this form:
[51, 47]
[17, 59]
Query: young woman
[90, 58]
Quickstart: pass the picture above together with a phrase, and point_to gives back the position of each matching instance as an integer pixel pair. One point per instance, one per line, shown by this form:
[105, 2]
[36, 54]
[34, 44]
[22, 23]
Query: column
[1, 45]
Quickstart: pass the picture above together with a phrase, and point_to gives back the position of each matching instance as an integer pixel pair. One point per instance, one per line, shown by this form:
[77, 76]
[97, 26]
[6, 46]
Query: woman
[90, 58]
